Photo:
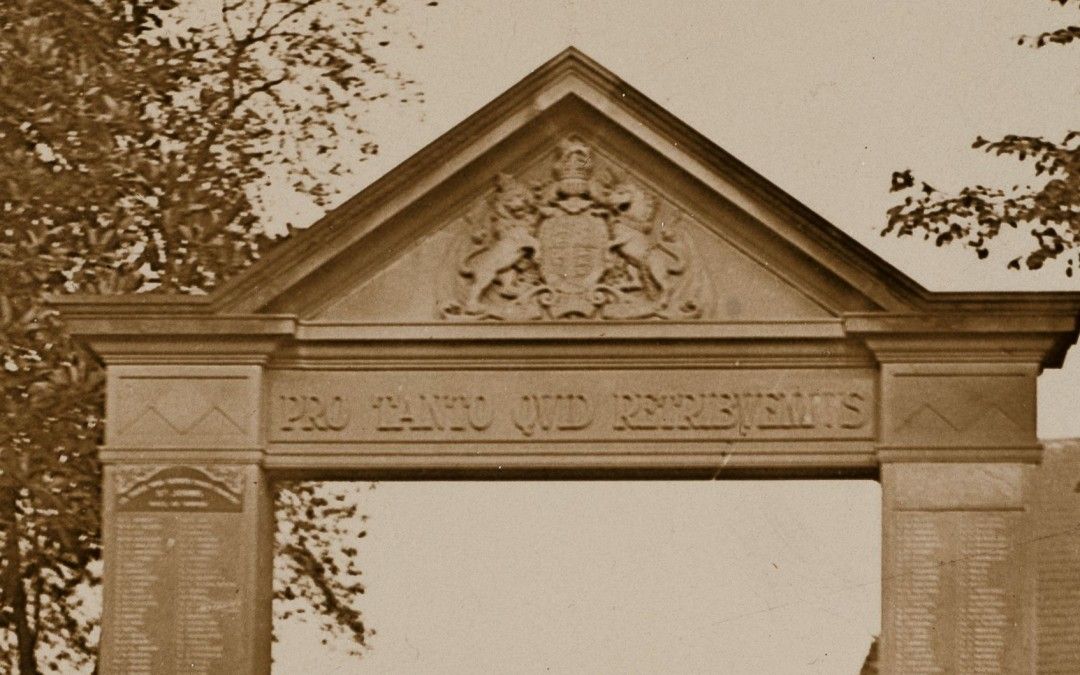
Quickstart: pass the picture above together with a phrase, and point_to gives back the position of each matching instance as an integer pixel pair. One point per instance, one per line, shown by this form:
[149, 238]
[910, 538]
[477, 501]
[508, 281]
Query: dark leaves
[133, 150]
[974, 215]
[317, 574]
[1061, 36]
[901, 180]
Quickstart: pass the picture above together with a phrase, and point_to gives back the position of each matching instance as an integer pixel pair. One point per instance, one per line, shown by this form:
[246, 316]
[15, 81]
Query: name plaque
[174, 545]
[448, 406]
[953, 607]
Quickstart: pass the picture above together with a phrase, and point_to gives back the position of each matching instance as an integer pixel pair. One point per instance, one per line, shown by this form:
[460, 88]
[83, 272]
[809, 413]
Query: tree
[316, 573]
[138, 138]
[976, 215]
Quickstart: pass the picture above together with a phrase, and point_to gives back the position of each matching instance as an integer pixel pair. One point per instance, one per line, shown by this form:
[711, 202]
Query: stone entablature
[476, 407]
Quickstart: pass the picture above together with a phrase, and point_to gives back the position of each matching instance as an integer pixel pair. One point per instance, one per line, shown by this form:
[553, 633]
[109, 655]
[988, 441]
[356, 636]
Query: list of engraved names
[175, 549]
[961, 561]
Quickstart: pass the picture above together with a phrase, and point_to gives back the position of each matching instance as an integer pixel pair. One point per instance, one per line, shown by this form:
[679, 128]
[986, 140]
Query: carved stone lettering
[432, 412]
[921, 551]
[174, 544]
[742, 411]
[544, 412]
[179, 489]
[586, 244]
[605, 405]
[309, 412]
[1057, 560]
[987, 613]
[955, 583]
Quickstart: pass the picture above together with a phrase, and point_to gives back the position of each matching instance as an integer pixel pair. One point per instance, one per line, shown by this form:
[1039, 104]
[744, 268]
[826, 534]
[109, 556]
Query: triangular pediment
[494, 221]
[575, 232]
[569, 203]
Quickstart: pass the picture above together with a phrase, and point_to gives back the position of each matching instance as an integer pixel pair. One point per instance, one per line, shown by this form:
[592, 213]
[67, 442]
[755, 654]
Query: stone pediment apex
[568, 204]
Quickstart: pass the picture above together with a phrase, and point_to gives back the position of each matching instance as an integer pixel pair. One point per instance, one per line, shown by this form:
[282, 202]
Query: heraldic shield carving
[584, 244]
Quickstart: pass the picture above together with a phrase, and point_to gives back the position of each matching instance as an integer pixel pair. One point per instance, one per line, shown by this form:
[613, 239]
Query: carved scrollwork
[585, 244]
[126, 477]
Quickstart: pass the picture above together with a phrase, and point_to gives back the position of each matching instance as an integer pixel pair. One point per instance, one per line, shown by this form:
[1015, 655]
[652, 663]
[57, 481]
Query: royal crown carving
[586, 243]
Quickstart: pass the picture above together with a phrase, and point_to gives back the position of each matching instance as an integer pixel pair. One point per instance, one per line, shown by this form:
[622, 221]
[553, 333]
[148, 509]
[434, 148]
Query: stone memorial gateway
[572, 284]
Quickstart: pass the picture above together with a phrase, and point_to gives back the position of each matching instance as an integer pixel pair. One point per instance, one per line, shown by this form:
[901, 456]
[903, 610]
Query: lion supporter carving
[586, 243]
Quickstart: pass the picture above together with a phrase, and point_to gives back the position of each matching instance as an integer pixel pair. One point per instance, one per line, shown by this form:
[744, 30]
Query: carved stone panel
[954, 580]
[584, 241]
[175, 574]
[940, 487]
[473, 407]
[577, 232]
[981, 409]
[187, 407]
[956, 604]
[420, 279]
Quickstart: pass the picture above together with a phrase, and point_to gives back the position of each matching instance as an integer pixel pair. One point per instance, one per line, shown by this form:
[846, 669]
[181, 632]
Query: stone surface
[959, 405]
[184, 547]
[489, 406]
[573, 284]
[1056, 551]
[953, 578]
[189, 406]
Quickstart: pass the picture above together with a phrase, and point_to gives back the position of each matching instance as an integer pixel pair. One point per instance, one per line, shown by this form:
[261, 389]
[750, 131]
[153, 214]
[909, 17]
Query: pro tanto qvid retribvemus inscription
[552, 405]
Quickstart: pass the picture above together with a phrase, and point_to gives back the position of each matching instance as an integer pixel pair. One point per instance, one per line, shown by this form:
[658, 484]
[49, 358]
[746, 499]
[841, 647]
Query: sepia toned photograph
[418, 337]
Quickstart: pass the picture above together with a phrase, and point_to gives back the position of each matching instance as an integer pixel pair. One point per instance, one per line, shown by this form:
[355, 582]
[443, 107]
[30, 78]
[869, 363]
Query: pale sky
[618, 577]
[823, 98]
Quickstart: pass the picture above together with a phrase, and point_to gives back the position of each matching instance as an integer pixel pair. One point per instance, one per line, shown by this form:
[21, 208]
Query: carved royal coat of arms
[578, 246]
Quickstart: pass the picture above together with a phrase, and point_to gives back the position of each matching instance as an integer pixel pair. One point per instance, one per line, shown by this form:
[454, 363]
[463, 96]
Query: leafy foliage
[1060, 36]
[139, 139]
[976, 215]
[314, 563]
